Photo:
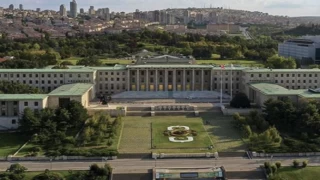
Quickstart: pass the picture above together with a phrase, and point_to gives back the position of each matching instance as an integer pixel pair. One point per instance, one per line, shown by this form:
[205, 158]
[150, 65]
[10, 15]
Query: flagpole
[221, 86]
[231, 80]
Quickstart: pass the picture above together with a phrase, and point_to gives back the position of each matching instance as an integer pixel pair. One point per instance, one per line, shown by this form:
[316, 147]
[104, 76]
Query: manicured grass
[234, 62]
[10, 143]
[74, 61]
[136, 135]
[160, 141]
[290, 173]
[28, 149]
[224, 136]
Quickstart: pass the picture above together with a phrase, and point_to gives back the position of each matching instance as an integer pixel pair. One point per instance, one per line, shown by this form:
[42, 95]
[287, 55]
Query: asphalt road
[142, 165]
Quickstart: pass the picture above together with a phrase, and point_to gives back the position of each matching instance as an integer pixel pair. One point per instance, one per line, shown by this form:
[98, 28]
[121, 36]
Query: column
[156, 79]
[174, 74]
[193, 79]
[211, 80]
[202, 79]
[138, 80]
[166, 80]
[184, 80]
[147, 80]
[128, 80]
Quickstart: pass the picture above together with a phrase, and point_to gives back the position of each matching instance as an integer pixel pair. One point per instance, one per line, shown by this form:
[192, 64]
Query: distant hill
[302, 30]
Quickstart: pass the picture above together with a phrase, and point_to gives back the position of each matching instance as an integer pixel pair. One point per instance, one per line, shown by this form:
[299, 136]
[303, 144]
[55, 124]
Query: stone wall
[301, 154]
[231, 111]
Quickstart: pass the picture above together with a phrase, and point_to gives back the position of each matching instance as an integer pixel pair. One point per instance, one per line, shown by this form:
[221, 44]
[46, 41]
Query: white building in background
[306, 48]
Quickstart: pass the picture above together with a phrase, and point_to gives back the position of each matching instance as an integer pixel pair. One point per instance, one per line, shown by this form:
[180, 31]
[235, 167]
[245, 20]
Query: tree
[90, 61]
[17, 169]
[240, 100]
[47, 175]
[29, 123]
[78, 114]
[278, 62]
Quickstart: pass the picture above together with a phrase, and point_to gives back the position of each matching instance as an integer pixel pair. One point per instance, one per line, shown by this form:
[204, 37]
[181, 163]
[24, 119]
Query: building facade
[73, 9]
[306, 48]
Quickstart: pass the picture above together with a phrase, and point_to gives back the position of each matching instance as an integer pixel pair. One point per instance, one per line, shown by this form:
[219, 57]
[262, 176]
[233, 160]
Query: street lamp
[155, 161]
[50, 163]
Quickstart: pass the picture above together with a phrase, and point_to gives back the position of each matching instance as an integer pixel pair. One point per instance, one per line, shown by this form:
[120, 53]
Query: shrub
[246, 131]
[267, 165]
[278, 164]
[274, 169]
[36, 149]
[110, 142]
[305, 163]
[296, 163]
[48, 175]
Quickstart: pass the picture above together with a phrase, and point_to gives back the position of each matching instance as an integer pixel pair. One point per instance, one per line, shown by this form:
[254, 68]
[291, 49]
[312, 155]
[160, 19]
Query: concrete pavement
[142, 165]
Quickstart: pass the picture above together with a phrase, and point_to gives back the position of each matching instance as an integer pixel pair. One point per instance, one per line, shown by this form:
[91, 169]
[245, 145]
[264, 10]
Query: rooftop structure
[71, 89]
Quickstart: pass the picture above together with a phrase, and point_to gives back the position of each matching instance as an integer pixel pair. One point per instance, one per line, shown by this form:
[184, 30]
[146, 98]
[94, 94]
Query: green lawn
[10, 143]
[74, 60]
[235, 62]
[136, 135]
[160, 141]
[290, 173]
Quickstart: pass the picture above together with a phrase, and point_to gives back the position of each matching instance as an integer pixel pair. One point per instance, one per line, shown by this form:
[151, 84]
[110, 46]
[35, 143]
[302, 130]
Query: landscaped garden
[215, 127]
[291, 173]
[180, 133]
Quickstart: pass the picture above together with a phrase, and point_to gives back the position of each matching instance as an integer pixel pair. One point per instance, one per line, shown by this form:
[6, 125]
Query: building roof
[77, 89]
[265, 70]
[274, 89]
[18, 97]
[88, 70]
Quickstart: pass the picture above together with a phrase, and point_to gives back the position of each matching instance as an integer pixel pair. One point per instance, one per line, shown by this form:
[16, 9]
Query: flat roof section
[17, 97]
[88, 70]
[77, 89]
[274, 89]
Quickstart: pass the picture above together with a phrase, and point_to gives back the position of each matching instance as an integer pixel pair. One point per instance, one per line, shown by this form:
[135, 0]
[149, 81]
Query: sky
[274, 7]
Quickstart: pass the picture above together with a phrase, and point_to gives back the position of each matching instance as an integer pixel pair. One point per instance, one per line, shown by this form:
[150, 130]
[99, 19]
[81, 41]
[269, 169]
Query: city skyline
[273, 7]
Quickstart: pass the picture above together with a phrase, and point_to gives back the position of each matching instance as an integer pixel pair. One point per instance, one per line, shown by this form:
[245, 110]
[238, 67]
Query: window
[37, 81]
[276, 75]
[310, 75]
[18, 75]
[281, 75]
[131, 73]
[61, 81]
[79, 75]
[304, 81]
[315, 81]
[49, 75]
[304, 75]
[25, 103]
[3, 103]
[87, 75]
[70, 75]
[54, 75]
[49, 82]
[61, 75]
[259, 75]
[293, 75]
[24, 75]
[111, 79]
[24, 82]
[106, 79]
[281, 81]
[287, 75]
[276, 81]
[251, 75]
[14, 121]
[268, 75]
[124, 73]
[30, 82]
[54, 82]
[315, 75]
[118, 73]
[123, 79]
[36, 103]
[292, 81]
[11, 75]
[151, 80]
[15, 102]
[111, 73]
[37, 75]
[100, 73]
[298, 75]
[118, 79]
[42, 81]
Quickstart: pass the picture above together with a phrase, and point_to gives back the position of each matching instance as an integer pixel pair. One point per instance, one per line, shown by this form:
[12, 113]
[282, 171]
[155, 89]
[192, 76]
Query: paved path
[142, 165]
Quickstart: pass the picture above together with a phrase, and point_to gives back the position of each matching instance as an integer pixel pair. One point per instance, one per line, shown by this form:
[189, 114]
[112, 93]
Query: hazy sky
[276, 7]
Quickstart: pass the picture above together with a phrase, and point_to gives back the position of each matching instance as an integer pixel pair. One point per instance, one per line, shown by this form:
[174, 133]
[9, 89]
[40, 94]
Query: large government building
[153, 75]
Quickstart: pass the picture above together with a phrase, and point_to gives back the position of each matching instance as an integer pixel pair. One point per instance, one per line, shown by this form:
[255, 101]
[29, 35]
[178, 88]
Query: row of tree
[127, 43]
[95, 172]
[7, 87]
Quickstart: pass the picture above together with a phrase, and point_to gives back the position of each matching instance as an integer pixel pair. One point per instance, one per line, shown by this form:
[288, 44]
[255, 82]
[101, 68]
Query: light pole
[155, 162]
[50, 163]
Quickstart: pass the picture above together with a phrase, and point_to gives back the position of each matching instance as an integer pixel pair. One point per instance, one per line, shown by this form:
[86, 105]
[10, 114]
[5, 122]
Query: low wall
[232, 111]
[184, 155]
[301, 154]
[110, 112]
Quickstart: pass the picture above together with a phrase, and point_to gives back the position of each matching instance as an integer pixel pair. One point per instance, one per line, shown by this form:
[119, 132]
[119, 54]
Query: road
[142, 165]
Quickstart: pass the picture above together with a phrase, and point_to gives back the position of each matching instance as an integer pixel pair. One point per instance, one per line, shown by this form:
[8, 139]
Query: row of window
[293, 81]
[25, 103]
[170, 73]
[287, 75]
[42, 75]
[112, 73]
[112, 79]
[112, 87]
